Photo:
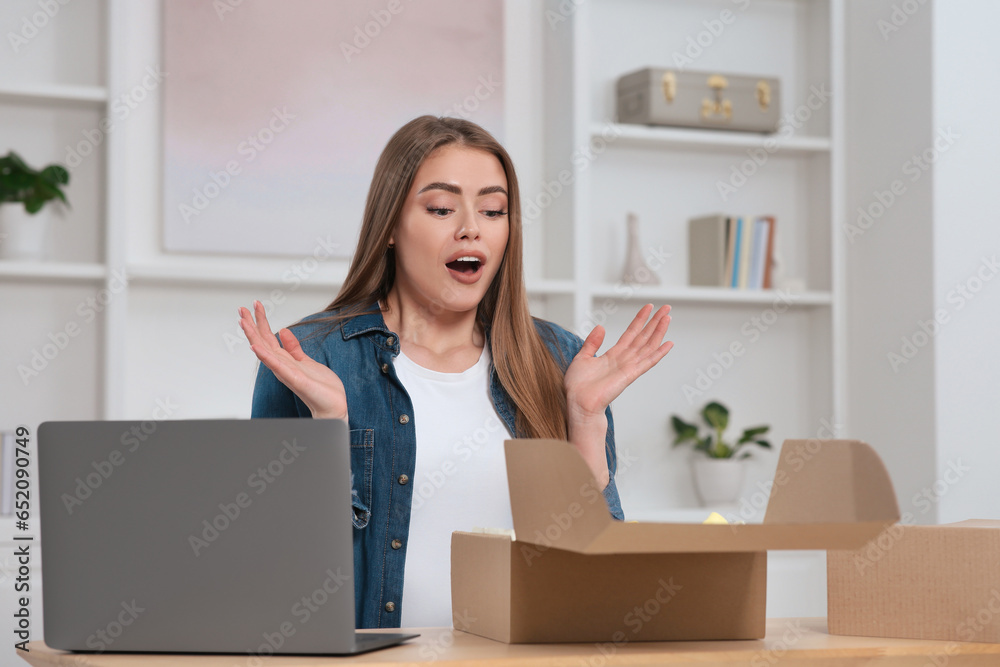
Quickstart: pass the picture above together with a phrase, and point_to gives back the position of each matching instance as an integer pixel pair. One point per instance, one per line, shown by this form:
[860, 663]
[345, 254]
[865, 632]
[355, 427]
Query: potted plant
[21, 236]
[718, 475]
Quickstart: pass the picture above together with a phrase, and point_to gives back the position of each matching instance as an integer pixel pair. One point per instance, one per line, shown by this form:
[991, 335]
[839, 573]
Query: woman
[430, 355]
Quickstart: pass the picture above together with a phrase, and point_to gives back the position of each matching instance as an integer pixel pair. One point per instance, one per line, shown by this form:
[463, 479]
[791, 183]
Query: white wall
[890, 263]
[967, 252]
[921, 90]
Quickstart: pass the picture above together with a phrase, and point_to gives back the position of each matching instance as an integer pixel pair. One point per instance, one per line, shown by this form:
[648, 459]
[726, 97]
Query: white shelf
[642, 136]
[51, 271]
[269, 272]
[551, 287]
[89, 95]
[301, 273]
[711, 295]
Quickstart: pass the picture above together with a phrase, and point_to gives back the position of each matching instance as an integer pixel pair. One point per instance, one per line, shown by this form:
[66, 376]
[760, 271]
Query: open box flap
[827, 494]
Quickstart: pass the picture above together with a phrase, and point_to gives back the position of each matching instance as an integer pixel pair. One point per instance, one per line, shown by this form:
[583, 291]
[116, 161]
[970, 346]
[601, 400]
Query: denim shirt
[360, 350]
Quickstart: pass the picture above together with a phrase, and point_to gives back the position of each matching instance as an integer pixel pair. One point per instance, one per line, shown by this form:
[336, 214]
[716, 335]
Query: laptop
[199, 536]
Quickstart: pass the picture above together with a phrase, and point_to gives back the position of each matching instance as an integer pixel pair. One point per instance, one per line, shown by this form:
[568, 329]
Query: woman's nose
[468, 225]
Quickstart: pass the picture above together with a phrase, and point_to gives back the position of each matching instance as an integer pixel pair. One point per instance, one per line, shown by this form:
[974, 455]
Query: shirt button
[385, 368]
[404, 419]
[390, 606]
[403, 479]
[390, 341]
[396, 544]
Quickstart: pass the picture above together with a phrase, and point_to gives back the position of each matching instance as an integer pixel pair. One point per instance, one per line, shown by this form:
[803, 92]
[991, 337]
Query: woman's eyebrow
[454, 189]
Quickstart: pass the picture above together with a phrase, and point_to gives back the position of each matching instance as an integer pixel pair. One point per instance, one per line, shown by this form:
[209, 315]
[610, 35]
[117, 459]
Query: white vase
[637, 272]
[718, 481]
[22, 236]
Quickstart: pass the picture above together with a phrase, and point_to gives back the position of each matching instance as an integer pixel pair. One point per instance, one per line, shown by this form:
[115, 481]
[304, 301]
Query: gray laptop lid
[230, 536]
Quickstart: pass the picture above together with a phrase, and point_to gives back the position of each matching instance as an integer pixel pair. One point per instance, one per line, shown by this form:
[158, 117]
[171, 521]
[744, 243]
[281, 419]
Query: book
[707, 241]
[761, 236]
[730, 251]
[734, 277]
[769, 259]
[745, 256]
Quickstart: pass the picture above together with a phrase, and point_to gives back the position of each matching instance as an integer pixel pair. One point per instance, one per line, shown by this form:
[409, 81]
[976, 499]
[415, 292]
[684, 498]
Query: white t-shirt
[459, 482]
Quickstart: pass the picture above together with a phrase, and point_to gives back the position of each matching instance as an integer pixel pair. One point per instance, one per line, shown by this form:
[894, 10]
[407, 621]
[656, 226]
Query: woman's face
[453, 229]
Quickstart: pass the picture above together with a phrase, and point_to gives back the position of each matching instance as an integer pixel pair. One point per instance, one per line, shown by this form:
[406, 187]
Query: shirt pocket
[362, 457]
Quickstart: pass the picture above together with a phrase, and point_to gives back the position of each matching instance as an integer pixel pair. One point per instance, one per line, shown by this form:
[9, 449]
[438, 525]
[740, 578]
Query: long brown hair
[526, 370]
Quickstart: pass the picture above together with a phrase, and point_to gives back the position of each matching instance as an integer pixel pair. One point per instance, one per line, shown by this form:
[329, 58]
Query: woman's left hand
[593, 382]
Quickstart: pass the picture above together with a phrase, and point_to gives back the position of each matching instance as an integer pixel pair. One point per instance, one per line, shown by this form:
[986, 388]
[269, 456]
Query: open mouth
[465, 265]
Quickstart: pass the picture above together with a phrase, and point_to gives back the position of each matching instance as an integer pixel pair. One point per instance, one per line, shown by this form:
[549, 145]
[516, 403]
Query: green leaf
[716, 415]
[684, 431]
[763, 443]
[751, 433]
[55, 174]
[721, 451]
[21, 183]
[17, 163]
[704, 445]
[744, 455]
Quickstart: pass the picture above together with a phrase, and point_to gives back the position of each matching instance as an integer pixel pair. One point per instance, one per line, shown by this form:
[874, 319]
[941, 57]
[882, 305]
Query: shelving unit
[790, 372]
[95, 96]
[706, 140]
[711, 295]
[58, 272]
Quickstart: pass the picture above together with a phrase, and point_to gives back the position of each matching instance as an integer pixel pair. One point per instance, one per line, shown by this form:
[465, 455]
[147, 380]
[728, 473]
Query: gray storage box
[657, 96]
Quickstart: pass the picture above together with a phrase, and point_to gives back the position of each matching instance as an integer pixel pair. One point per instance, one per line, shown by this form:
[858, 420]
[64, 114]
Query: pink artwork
[275, 112]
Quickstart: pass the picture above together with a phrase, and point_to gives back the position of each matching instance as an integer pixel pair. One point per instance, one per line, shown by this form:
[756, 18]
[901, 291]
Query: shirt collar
[368, 321]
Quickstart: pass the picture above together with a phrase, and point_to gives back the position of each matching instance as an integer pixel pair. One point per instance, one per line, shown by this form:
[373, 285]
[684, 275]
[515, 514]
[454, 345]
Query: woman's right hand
[317, 385]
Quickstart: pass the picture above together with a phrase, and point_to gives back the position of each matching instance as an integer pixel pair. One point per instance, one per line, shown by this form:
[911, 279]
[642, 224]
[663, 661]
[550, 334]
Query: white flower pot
[22, 236]
[718, 481]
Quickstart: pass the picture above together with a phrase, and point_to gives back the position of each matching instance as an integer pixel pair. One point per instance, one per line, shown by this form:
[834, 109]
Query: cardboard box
[919, 582]
[574, 574]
